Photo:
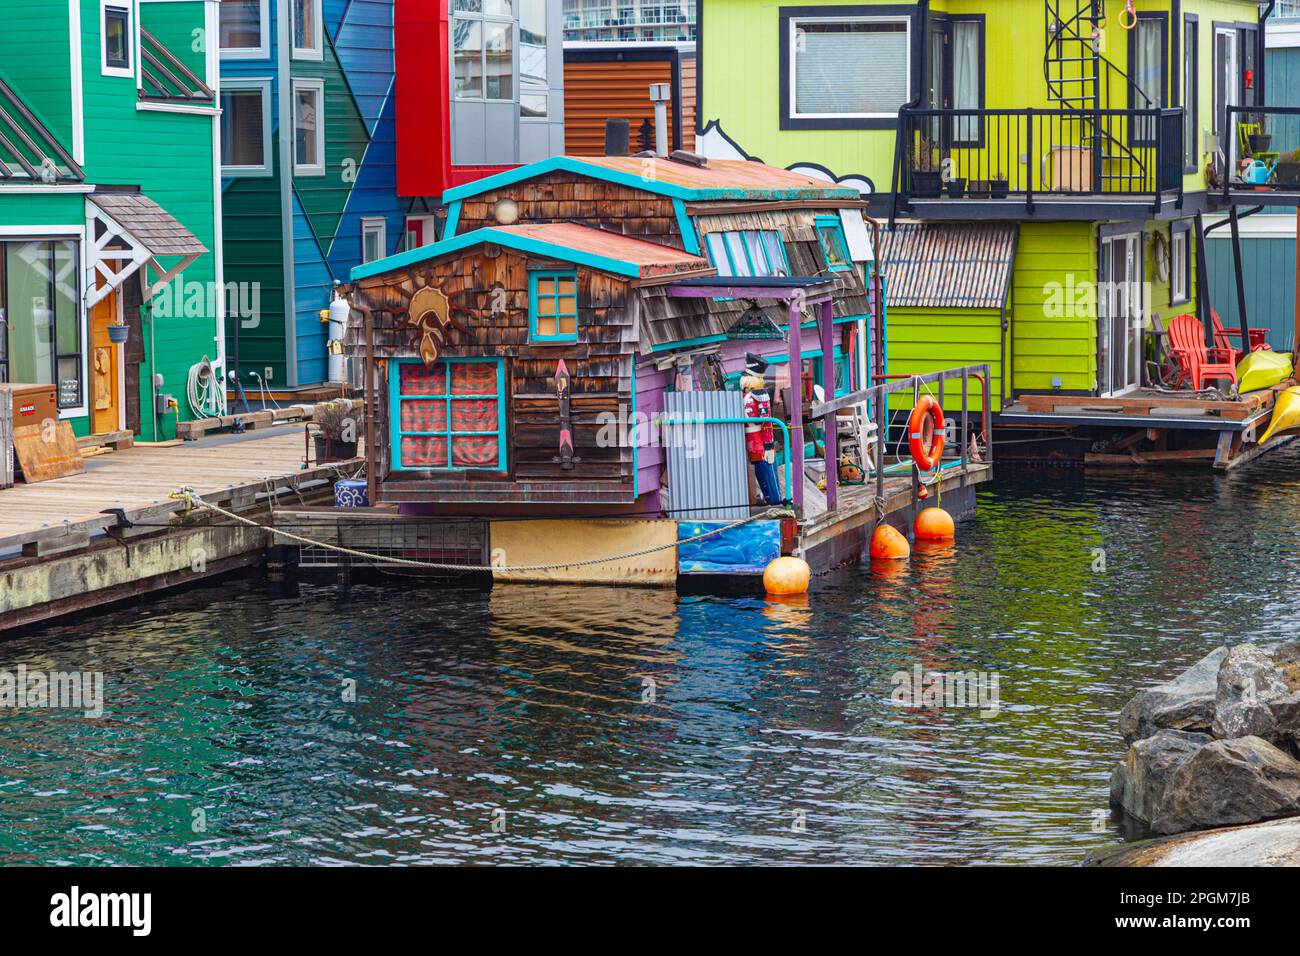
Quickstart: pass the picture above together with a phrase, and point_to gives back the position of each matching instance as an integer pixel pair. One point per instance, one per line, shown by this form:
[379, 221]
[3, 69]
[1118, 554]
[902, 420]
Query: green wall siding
[169, 156]
[34, 55]
[930, 340]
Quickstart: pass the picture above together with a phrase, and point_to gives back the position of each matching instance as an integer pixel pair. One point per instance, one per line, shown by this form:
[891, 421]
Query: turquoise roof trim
[595, 171]
[508, 239]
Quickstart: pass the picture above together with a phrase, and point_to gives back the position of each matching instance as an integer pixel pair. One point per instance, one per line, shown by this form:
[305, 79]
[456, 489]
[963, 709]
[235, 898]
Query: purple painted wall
[652, 383]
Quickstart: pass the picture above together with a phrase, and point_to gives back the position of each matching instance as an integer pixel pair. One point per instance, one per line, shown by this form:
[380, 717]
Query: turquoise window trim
[557, 275]
[770, 267]
[690, 238]
[395, 399]
[811, 324]
[453, 220]
[833, 223]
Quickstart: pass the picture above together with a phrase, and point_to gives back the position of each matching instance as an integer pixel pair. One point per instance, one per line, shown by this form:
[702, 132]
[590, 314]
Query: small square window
[117, 40]
[243, 29]
[830, 233]
[553, 306]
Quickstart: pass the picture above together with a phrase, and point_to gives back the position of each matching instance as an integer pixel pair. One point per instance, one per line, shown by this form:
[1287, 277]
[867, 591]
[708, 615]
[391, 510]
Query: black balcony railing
[1033, 153]
[1261, 148]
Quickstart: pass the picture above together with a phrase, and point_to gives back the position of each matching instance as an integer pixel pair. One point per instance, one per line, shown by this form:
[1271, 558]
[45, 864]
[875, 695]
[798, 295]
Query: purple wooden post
[828, 387]
[796, 405]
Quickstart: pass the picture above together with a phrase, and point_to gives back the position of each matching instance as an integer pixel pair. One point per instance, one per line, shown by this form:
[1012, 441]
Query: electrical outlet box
[163, 404]
[267, 373]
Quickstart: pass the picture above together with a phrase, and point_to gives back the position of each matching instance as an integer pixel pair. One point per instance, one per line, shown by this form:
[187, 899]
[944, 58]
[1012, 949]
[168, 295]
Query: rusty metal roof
[651, 258]
[721, 179]
[964, 265]
[565, 241]
[151, 225]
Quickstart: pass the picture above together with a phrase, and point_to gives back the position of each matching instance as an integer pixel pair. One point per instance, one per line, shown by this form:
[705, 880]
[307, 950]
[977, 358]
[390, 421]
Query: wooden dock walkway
[139, 479]
[63, 550]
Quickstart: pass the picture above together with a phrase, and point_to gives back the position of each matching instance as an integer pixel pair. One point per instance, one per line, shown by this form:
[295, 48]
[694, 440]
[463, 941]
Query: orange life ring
[925, 433]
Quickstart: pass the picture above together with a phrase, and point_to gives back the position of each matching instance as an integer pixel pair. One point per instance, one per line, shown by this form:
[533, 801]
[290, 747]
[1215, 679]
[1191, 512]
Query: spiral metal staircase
[1082, 80]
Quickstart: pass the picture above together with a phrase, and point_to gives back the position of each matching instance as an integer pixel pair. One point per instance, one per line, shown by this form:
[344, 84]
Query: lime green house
[110, 288]
[1044, 170]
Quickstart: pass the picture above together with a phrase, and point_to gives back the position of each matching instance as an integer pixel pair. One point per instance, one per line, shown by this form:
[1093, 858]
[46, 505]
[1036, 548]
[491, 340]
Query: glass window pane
[475, 452]
[242, 143]
[418, 380]
[473, 378]
[533, 85]
[500, 61]
[966, 78]
[429, 452]
[468, 6]
[775, 251]
[849, 67]
[468, 57]
[717, 253]
[31, 332]
[304, 24]
[739, 262]
[241, 24]
[117, 44]
[568, 305]
[307, 151]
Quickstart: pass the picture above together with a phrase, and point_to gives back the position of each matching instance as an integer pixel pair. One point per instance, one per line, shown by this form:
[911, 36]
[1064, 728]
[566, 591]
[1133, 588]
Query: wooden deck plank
[141, 478]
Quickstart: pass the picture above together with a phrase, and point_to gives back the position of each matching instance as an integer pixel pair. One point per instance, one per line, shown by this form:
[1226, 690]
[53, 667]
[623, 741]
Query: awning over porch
[949, 265]
[128, 230]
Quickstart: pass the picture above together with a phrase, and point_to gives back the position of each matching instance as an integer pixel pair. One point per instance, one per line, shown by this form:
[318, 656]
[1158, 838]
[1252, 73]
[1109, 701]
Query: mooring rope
[194, 502]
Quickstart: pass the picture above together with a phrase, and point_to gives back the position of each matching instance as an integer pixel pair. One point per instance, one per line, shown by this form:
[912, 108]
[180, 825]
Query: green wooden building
[1044, 168]
[109, 191]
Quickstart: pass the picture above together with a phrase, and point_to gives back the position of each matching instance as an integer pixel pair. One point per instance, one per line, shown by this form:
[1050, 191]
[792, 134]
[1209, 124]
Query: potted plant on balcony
[927, 175]
[118, 332]
[956, 187]
[1288, 170]
[336, 435]
[1000, 186]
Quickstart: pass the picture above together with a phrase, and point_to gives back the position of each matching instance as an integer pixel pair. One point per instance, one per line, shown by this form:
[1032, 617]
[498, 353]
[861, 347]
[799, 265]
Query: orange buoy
[934, 524]
[925, 433]
[786, 576]
[888, 544]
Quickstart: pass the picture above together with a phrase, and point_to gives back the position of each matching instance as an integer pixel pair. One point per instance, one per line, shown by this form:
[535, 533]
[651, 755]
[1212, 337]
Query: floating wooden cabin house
[569, 353]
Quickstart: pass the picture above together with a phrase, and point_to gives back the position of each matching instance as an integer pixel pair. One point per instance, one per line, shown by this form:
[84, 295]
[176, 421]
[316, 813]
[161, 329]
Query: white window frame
[793, 40]
[263, 85]
[133, 37]
[309, 169]
[370, 225]
[484, 20]
[429, 224]
[1180, 267]
[307, 53]
[262, 51]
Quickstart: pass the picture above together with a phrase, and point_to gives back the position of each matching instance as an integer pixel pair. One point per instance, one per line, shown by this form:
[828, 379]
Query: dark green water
[229, 699]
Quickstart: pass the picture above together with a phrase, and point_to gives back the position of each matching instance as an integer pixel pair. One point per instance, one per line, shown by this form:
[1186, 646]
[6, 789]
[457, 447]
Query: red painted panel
[422, 56]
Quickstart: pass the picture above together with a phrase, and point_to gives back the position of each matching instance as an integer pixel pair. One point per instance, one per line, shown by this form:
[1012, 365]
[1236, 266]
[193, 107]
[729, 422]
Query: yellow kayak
[1262, 370]
[1286, 414]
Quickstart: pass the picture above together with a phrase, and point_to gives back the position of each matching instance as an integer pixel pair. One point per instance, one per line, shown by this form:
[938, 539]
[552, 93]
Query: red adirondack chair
[1198, 362]
[1224, 338]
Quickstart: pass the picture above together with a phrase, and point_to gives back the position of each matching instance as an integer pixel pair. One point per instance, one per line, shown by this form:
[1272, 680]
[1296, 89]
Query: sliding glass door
[40, 338]
[1120, 308]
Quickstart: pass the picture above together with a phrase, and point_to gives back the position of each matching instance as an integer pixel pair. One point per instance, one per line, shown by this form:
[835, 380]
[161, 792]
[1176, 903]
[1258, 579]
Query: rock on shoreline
[1217, 746]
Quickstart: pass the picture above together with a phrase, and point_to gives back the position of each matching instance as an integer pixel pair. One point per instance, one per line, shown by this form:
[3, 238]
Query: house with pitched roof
[110, 271]
[543, 358]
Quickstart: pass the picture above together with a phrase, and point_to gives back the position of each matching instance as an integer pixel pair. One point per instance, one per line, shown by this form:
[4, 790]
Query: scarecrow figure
[760, 441]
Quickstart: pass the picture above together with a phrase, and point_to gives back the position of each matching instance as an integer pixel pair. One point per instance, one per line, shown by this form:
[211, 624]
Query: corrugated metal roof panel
[949, 265]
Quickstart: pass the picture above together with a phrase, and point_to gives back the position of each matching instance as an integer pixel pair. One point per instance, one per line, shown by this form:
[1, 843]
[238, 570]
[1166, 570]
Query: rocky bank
[1217, 746]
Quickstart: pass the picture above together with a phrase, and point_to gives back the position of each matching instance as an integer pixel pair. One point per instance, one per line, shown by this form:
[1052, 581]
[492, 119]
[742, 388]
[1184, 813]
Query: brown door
[105, 362]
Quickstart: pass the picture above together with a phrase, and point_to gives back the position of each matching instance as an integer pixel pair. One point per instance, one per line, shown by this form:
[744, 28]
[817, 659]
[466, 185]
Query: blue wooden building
[309, 172]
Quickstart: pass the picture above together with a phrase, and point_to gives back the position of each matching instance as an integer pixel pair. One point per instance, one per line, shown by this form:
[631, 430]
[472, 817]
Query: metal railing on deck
[1040, 152]
[876, 400]
[1270, 134]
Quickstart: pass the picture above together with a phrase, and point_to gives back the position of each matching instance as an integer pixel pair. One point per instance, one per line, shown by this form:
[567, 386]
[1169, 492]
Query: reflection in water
[633, 726]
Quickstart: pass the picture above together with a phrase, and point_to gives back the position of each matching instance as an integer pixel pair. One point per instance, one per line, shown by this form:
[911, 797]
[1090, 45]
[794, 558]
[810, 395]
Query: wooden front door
[105, 368]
